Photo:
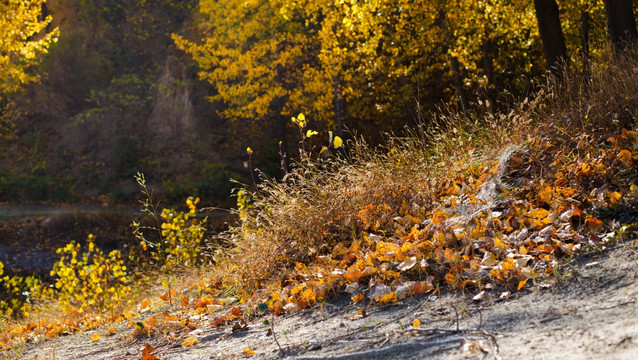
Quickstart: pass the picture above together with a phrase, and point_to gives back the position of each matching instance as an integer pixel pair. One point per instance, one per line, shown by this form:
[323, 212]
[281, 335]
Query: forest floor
[588, 311]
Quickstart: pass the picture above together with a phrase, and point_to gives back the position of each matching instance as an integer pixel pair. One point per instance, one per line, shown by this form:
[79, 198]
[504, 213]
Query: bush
[90, 280]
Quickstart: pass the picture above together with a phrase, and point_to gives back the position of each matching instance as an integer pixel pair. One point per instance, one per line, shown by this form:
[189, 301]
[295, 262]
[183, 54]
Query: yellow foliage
[90, 280]
[24, 37]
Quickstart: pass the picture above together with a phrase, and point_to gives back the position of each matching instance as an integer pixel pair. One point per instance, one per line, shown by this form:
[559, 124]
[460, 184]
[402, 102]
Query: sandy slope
[590, 312]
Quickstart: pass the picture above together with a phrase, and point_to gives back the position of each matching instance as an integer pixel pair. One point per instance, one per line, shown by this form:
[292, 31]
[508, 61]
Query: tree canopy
[24, 36]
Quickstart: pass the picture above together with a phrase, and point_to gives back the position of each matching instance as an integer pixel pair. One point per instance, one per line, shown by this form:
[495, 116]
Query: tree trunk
[584, 40]
[454, 62]
[621, 23]
[488, 48]
[551, 34]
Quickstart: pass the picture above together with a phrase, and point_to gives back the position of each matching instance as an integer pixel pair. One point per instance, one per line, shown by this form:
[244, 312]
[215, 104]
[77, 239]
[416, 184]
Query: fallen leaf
[236, 312]
[111, 331]
[521, 284]
[625, 157]
[145, 304]
[240, 324]
[248, 352]
[483, 295]
[388, 298]
[95, 337]
[189, 341]
[147, 353]
[416, 323]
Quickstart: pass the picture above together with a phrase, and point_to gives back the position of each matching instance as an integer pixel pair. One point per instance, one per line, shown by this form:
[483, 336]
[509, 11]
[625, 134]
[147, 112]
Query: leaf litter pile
[486, 208]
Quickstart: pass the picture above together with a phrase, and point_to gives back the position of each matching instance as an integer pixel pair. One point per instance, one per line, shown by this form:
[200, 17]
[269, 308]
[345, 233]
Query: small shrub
[90, 280]
[16, 293]
[178, 234]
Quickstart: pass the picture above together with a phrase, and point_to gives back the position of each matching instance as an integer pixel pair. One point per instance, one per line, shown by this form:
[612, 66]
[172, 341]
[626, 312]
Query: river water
[30, 234]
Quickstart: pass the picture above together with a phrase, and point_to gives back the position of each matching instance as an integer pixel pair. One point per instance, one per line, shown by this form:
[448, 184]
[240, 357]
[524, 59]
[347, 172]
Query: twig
[272, 329]
[460, 331]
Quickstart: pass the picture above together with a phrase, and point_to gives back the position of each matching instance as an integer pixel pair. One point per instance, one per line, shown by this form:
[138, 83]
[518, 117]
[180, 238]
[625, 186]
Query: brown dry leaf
[189, 341]
[240, 324]
[594, 225]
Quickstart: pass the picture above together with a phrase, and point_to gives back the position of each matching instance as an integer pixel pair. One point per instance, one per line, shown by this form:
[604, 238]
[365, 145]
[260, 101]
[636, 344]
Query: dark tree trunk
[584, 40]
[488, 69]
[551, 34]
[454, 63]
[621, 23]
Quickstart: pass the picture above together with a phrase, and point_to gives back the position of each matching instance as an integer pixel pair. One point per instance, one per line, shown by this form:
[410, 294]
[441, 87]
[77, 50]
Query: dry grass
[320, 202]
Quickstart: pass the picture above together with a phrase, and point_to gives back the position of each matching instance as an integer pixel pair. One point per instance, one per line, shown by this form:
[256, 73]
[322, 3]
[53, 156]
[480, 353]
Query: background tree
[621, 23]
[23, 37]
[551, 34]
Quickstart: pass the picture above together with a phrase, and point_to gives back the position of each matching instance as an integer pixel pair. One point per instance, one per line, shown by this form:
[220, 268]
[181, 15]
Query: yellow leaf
[95, 338]
[190, 341]
[249, 151]
[248, 352]
[390, 297]
[357, 298]
[337, 142]
[111, 330]
[625, 157]
[521, 284]
[545, 195]
[615, 198]
[416, 323]
[310, 133]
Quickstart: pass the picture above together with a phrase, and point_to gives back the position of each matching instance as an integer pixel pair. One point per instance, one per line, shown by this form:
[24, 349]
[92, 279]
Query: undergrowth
[488, 202]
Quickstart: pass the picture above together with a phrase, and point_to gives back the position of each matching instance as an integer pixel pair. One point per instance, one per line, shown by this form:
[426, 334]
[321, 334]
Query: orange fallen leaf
[521, 284]
[545, 195]
[111, 331]
[625, 157]
[236, 312]
[357, 298]
[416, 323]
[145, 304]
[390, 297]
[248, 352]
[189, 341]
[95, 337]
[594, 225]
[147, 353]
